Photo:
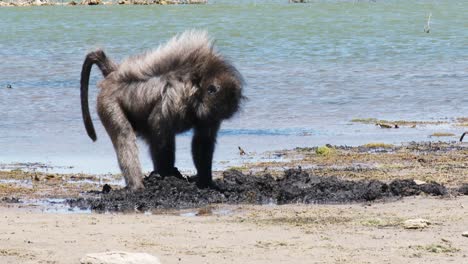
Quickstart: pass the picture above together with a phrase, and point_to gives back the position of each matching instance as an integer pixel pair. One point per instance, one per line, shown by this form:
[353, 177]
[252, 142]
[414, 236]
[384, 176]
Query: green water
[310, 68]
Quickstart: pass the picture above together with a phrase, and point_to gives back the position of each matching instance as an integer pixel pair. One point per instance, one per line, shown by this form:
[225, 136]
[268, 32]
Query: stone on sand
[418, 182]
[119, 257]
[416, 223]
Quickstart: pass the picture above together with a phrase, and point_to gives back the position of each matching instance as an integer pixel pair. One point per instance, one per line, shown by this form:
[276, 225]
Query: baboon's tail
[462, 136]
[106, 66]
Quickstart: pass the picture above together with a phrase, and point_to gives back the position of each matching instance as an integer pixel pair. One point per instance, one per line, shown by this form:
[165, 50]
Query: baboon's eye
[212, 89]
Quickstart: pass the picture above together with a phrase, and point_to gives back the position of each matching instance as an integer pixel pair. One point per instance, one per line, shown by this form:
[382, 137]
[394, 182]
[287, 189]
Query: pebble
[418, 182]
[119, 257]
[416, 223]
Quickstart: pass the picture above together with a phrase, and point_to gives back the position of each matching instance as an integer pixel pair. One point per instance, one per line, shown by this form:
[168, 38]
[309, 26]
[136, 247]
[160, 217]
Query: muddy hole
[295, 186]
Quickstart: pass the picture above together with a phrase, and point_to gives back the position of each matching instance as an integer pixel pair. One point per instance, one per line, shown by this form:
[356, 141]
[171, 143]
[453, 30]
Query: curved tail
[106, 66]
[462, 136]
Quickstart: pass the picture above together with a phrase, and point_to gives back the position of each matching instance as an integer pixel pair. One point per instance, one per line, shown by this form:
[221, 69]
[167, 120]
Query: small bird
[427, 27]
[8, 86]
[462, 136]
[241, 151]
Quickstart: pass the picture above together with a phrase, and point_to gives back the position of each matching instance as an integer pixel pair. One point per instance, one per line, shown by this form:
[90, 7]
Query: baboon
[181, 85]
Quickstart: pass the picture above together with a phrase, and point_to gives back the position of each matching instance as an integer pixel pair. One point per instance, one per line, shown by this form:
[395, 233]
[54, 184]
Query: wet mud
[330, 174]
[235, 187]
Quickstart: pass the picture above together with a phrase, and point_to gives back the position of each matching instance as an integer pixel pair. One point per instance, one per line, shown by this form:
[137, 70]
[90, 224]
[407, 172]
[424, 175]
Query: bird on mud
[241, 151]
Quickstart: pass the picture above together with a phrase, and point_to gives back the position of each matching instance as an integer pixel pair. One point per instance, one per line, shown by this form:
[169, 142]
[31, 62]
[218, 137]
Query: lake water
[310, 69]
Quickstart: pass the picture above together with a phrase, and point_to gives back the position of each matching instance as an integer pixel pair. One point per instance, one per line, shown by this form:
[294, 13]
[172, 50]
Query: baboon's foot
[135, 187]
[154, 174]
[193, 178]
[174, 172]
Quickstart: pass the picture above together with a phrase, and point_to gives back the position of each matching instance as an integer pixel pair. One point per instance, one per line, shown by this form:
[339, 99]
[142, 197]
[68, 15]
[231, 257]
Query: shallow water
[310, 69]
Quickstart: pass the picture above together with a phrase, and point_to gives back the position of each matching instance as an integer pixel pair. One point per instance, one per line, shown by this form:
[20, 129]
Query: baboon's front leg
[162, 147]
[124, 140]
[203, 145]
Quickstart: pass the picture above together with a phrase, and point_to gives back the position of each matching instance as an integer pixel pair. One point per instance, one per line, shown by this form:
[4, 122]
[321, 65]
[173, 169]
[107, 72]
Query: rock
[26, 3]
[418, 182]
[119, 257]
[465, 234]
[139, 2]
[196, 2]
[416, 223]
[91, 2]
[384, 125]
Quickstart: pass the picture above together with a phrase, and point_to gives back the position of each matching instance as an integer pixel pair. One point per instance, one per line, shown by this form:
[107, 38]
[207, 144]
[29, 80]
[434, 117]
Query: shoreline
[98, 157]
[440, 163]
[29, 3]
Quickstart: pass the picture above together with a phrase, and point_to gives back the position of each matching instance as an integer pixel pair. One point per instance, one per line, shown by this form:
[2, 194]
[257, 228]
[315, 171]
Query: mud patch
[12, 200]
[463, 189]
[235, 187]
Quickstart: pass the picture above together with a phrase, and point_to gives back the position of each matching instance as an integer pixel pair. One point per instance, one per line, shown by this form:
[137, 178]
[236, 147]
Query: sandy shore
[359, 233]
[368, 232]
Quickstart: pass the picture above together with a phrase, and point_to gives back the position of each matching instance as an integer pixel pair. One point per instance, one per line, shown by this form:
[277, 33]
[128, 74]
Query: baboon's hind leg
[125, 144]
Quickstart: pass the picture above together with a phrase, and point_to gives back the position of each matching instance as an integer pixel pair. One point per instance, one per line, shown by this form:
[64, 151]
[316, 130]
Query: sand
[357, 233]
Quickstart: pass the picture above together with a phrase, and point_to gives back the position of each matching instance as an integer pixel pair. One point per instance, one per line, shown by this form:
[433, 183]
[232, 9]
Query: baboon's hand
[176, 173]
[210, 185]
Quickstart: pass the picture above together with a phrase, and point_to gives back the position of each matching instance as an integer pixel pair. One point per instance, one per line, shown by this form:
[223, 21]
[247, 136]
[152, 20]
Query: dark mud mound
[463, 189]
[296, 186]
[12, 200]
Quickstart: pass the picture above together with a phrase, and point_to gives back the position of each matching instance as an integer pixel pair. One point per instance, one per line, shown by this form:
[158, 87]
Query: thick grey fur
[181, 85]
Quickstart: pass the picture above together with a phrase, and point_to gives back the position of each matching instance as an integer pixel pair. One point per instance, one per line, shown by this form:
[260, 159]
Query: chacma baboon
[181, 85]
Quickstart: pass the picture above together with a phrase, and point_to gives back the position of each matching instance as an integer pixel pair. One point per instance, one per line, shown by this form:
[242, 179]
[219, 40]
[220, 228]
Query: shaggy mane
[183, 54]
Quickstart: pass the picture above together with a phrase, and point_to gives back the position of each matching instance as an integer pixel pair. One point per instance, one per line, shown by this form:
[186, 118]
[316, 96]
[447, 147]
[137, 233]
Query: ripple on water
[309, 70]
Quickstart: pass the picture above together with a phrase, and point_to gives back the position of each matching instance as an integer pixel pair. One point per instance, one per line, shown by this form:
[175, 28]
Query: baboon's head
[220, 91]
